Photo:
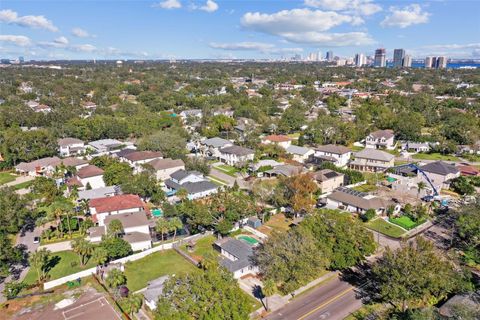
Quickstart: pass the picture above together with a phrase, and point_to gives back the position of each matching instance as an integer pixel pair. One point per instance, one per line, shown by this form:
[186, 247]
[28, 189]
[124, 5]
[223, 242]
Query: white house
[280, 140]
[328, 180]
[211, 147]
[236, 257]
[357, 202]
[336, 154]
[236, 155]
[165, 167]
[70, 146]
[372, 160]
[89, 175]
[40, 167]
[136, 158]
[106, 146]
[381, 139]
[300, 154]
[193, 182]
[416, 146]
[100, 208]
[440, 174]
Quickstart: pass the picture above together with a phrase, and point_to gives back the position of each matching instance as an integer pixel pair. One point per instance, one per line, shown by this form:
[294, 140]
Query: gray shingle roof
[161, 164]
[216, 142]
[440, 167]
[155, 288]
[68, 141]
[298, 150]
[387, 134]
[374, 155]
[237, 248]
[192, 187]
[332, 148]
[128, 220]
[181, 174]
[237, 150]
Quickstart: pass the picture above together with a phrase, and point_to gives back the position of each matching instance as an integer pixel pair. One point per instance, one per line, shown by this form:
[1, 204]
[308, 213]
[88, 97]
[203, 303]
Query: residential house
[76, 163]
[336, 154]
[136, 158]
[100, 208]
[106, 146]
[468, 170]
[104, 192]
[236, 155]
[357, 202]
[286, 170]
[193, 182]
[191, 114]
[40, 167]
[300, 154]
[440, 174]
[372, 160]
[263, 165]
[381, 139]
[416, 146]
[70, 147]
[136, 230]
[328, 180]
[154, 291]
[211, 147]
[237, 256]
[165, 167]
[280, 140]
[88, 177]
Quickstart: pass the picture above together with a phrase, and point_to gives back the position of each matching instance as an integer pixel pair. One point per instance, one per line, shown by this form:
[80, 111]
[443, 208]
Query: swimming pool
[157, 212]
[249, 240]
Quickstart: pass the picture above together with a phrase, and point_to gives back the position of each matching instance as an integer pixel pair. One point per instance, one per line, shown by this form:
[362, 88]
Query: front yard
[434, 156]
[231, 171]
[62, 264]
[385, 228]
[405, 222]
[155, 265]
[6, 177]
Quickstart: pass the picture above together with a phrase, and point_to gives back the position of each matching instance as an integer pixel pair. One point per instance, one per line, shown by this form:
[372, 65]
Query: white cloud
[210, 6]
[405, 17]
[81, 33]
[307, 26]
[296, 20]
[82, 48]
[361, 7]
[36, 22]
[16, 40]
[466, 50]
[266, 48]
[60, 42]
[168, 4]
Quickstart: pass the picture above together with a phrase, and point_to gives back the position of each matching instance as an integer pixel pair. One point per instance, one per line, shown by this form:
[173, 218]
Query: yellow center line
[341, 294]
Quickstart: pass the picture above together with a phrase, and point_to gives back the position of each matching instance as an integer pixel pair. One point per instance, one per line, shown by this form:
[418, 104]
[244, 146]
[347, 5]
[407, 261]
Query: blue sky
[67, 29]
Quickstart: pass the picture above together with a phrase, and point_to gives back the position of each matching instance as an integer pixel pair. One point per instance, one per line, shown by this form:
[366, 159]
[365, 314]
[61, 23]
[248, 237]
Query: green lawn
[61, 266]
[434, 156]
[23, 185]
[365, 188]
[471, 157]
[405, 222]
[386, 228]
[227, 169]
[218, 182]
[6, 177]
[155, 265]
[203, 247]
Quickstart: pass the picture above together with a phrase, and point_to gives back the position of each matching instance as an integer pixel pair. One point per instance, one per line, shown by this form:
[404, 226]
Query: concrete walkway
[19, 180]
[59, 246]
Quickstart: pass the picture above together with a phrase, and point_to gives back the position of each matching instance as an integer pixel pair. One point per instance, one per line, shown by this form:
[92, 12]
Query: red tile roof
[277, 138]
[115, 203]
[466, 170]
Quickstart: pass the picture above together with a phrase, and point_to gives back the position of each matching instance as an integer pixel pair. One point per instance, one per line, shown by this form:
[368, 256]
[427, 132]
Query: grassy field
[385, 228]
[203, 247]
[155, 265]
[227, 169]
[434, 156]
[6, 177]
[63, 263]
[405, 222]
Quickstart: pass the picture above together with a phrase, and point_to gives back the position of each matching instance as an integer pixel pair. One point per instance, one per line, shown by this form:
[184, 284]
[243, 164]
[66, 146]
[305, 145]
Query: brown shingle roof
[89, 171]
[143, 155]
[68, 141]
[387, 134]
[161, 164]
[333, 148]
[277, 138]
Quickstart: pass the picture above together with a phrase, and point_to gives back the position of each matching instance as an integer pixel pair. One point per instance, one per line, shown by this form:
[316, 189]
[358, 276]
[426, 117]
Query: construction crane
[414, 166]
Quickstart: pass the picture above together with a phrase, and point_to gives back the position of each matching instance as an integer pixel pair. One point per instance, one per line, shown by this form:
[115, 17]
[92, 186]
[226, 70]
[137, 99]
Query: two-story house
[165, 167]
[100, 208]
[381, 139]
[70, 147]
[193, 182]
[300, 154]
[136, 158]
[328, 180]
[88, 177]
[280, 140]
[336, 154]
[372, 160]
[210, 148]
[236, 155]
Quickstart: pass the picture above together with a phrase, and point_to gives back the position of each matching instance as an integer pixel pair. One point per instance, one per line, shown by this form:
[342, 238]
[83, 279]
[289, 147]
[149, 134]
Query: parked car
[36, 240]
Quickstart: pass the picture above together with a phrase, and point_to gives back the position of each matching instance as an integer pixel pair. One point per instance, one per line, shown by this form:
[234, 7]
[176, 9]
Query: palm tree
[268, 290]
[115, 279]
[420, 186]
[83, 248]
[39, 261]
[175, 225]
[162, 226]
[99, 255]
[132, 304]
[182, 194]
[115, 228]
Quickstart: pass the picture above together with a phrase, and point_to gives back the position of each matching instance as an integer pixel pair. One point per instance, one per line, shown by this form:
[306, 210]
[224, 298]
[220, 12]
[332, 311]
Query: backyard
[62, 264]
[157, 264]
[385, 228]
[6, 177]
[434, 156]
[277, 222]
[203, 246]
[405, 222]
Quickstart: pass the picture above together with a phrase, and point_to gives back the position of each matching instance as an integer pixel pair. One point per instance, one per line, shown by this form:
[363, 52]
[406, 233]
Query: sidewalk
[19, 180]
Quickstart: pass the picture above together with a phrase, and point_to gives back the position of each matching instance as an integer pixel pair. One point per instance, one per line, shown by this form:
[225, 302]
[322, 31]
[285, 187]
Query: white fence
[133, 257]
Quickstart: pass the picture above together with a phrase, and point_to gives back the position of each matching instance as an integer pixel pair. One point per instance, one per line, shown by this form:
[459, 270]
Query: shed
[254, 222]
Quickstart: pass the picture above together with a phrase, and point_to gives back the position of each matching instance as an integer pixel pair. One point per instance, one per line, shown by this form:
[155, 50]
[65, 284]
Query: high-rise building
[21, 59]
[407, 61]
[329, 56]
[398, 55]
[380, 58]
[360, 59]
[319, 56]
[429, 62]
[441, 62]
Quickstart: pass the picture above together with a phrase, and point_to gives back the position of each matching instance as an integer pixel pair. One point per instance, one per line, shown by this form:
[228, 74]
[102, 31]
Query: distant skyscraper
[398, 55]
[21, 59]
[360, 59]
[329, 56]
[380, 58]
[429, 62]
[319, 56]
[407, 61]
[441, 62]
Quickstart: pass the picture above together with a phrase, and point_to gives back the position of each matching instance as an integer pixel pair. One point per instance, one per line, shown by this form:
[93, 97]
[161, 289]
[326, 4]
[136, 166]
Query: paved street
[331, 301]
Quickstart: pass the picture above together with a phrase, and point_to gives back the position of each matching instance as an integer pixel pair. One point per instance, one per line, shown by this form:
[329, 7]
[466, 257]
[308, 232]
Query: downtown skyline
[211, 29]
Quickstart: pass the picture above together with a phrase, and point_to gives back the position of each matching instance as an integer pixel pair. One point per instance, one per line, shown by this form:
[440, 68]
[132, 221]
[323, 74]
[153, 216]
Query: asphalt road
[334, 300]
